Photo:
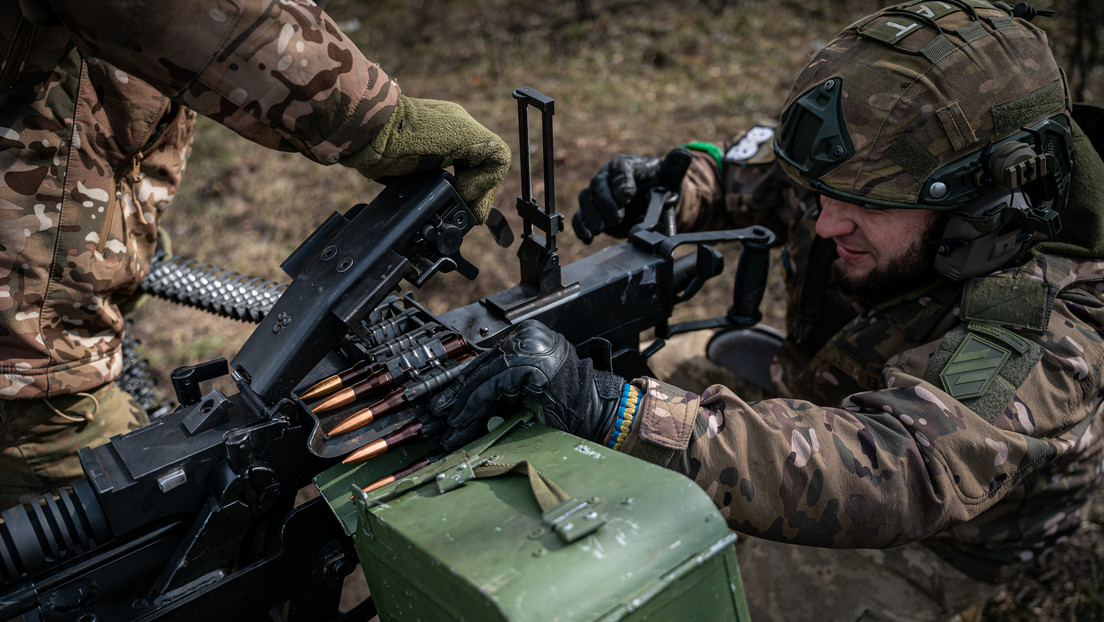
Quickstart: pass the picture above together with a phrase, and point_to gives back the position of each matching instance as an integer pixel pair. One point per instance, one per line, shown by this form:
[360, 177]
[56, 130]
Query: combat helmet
[952, 105]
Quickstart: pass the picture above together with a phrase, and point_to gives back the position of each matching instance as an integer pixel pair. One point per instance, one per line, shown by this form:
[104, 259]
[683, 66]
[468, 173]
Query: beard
[907, 271]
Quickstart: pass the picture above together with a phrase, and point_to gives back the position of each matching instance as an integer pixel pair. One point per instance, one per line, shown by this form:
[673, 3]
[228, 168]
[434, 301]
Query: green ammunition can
[531, 523]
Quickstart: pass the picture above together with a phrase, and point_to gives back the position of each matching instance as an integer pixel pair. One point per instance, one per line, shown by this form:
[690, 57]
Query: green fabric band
[937, 48]
[957, 126]
[1002, 22]
[709, 148]
[545, 491]
[971, 31]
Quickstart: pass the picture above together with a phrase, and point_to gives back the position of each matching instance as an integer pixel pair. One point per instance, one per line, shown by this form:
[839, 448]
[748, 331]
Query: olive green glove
[425, 134]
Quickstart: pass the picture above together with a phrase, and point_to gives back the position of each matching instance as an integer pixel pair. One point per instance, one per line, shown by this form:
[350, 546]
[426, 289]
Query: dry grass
[634, 77]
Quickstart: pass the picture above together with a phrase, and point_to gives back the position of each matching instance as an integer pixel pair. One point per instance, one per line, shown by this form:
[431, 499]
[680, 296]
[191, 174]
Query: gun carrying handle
[751, 282]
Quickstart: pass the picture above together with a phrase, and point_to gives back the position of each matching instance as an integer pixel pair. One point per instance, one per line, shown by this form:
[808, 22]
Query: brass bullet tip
[322, 388]
[356, 420]
[337, 400]
[379, 483]
[369, 451]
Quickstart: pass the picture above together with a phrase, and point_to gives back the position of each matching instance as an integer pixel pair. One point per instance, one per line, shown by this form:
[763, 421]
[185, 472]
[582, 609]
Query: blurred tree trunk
[583, 11]
[1088, 17]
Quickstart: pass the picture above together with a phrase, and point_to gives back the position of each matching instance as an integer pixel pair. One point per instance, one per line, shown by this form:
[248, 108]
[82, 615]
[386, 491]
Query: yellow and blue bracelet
[626, 414]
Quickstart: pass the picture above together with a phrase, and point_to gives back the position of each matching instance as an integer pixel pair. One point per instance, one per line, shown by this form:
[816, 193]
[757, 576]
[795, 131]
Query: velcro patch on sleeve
[972, 367]
[983, 367]
[1002, 335]
[1011, 302]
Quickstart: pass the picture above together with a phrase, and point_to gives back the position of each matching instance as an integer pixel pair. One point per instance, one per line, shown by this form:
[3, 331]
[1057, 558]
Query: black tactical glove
[618, 195]
[532, 363]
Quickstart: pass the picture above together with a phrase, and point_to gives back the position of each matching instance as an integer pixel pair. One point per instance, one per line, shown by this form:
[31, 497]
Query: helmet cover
[904, 109]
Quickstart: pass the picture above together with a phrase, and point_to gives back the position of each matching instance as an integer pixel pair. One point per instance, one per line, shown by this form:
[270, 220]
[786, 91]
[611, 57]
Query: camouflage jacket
[96, 117]
[965, 415]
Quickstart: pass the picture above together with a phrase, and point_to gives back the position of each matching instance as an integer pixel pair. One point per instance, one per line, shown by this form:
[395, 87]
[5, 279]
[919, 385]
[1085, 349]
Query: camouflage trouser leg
[797, 583]
[39, 438]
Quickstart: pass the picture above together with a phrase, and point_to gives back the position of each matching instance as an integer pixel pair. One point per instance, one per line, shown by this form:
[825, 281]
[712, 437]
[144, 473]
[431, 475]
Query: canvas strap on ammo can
[570, 518]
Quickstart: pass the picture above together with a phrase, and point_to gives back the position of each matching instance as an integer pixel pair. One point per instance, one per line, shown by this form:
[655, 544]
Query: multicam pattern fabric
[950, 80]
[865, 447]
[96, 116]
[39, 439]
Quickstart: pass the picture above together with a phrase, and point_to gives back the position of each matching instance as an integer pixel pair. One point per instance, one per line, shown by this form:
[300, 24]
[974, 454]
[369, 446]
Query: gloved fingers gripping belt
[531, 363]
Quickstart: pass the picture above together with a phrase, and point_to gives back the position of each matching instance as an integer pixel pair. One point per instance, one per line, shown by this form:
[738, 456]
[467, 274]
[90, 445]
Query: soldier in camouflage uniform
[939, 388]
[97, 106]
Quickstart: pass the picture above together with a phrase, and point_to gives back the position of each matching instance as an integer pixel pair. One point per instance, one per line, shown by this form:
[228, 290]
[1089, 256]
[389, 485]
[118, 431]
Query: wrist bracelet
[626, 415]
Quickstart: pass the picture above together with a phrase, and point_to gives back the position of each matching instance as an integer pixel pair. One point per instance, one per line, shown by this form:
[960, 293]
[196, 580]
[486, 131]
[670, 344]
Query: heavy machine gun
[194, 515]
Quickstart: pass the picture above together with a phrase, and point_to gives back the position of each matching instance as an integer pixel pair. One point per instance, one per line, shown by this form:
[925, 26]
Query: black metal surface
[55, 528]
[302, 573]
[541, 277]
[358, 266]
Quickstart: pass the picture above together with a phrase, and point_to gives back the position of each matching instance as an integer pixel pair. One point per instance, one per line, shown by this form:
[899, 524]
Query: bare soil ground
[628, 77]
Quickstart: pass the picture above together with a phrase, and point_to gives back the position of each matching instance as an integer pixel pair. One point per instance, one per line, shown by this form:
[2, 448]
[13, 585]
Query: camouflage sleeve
[278, 72]
[886, 467]
[746, 188]
[701, 195]
[756, 189]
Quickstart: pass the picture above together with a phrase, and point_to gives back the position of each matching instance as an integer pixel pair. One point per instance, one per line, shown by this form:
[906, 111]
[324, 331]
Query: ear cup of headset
[983, 238]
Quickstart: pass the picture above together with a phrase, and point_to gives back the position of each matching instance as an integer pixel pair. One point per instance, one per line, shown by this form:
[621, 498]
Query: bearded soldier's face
[882, 252]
